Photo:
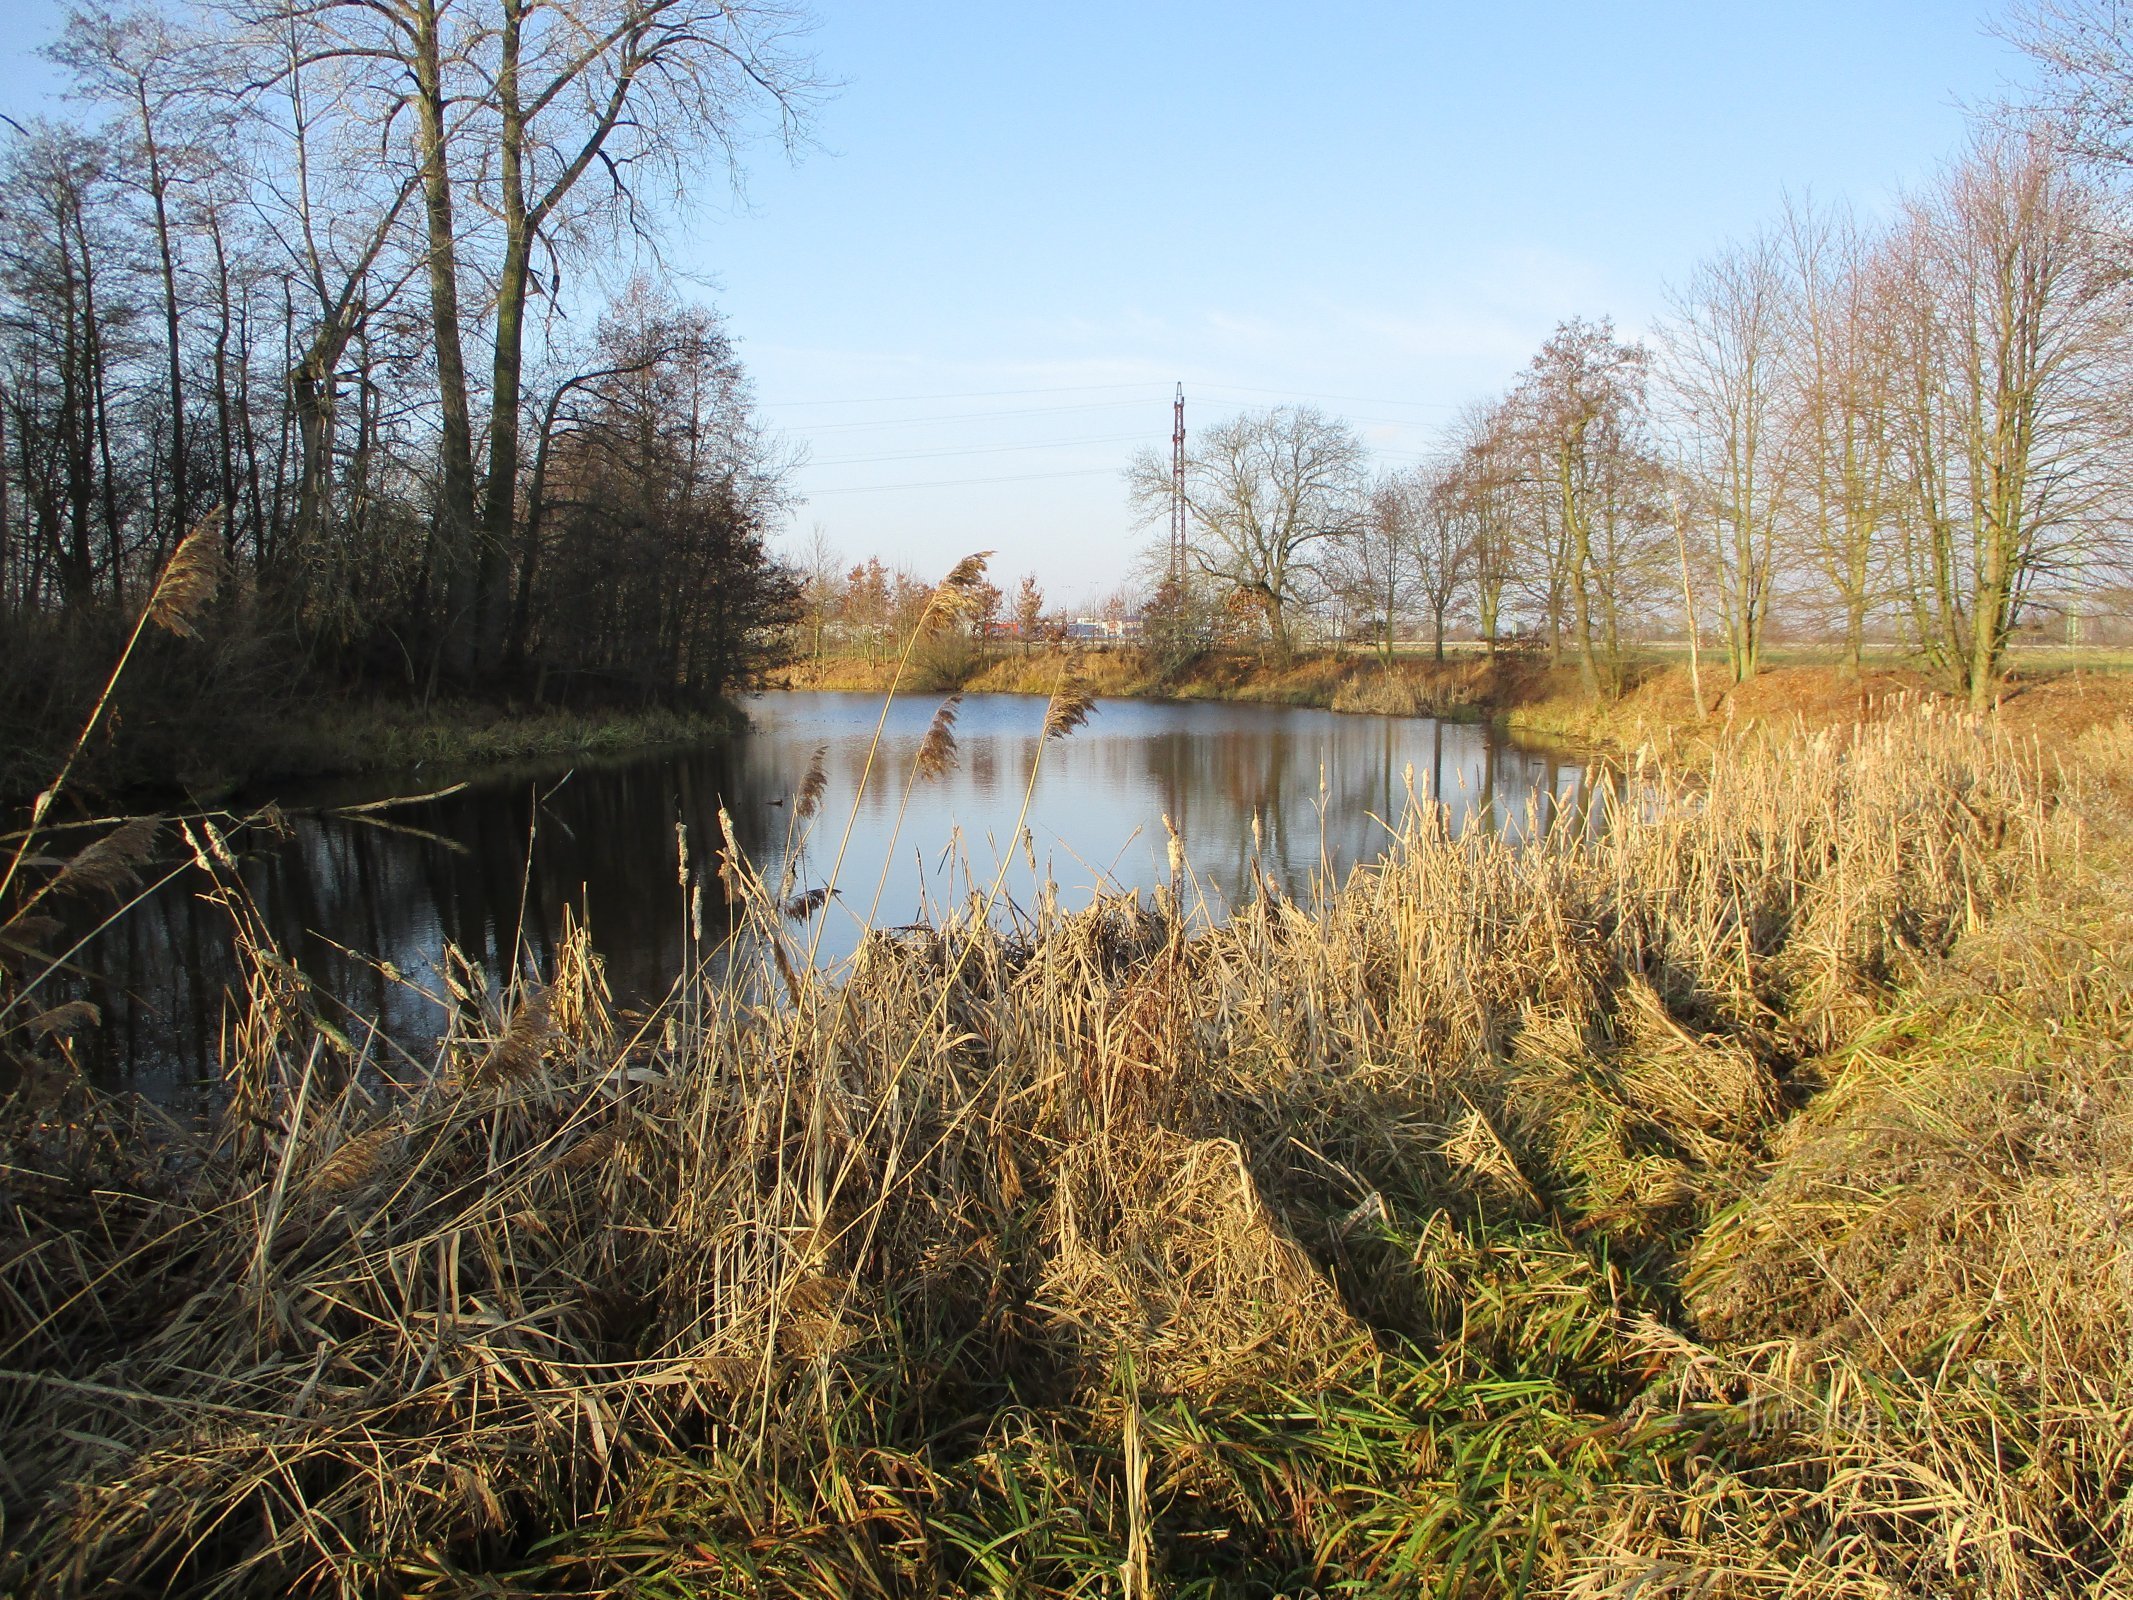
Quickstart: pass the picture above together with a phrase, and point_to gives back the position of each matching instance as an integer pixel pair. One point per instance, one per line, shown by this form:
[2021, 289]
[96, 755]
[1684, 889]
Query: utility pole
[1177, 491]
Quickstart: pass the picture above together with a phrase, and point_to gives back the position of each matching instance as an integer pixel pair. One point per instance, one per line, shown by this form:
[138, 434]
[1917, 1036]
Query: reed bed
[1718, 1193]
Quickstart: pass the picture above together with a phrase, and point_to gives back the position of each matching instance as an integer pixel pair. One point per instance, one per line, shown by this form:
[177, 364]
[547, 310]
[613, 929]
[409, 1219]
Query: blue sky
[1025, 223]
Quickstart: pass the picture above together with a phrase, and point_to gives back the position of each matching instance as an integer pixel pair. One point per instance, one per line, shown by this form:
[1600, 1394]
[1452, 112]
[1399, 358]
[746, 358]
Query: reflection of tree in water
[1213, 782]
[343, 897]
[346, 898]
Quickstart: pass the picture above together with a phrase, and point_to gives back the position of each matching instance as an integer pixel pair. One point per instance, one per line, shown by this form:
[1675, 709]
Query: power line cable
[978, 450]
[966, 416]
[1096, 388]
[957, 483]
[1343, 399]
[967, 394]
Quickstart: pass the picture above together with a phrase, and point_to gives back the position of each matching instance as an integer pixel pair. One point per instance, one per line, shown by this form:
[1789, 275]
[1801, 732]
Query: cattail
[804, 905]
[812, 786]
[1073, 703]
[189, 578]
[793, 986]
[937, 751]
[518, 1052]
[108, 865]
[731, 874]
[957, 595]
[208, 846]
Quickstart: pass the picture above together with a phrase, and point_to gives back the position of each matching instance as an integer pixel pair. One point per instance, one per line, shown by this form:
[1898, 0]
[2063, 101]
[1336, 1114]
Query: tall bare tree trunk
[455, 523]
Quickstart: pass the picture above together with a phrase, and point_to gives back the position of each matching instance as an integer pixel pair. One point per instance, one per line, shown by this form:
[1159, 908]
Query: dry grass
[1656, 711]
[1722, 1195]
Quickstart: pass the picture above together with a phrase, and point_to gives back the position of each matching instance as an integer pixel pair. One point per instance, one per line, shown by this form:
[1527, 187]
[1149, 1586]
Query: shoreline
[337, 739]
[1522, 695]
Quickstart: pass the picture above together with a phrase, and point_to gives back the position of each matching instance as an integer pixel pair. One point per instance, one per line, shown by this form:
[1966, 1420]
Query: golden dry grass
[1719, 1194]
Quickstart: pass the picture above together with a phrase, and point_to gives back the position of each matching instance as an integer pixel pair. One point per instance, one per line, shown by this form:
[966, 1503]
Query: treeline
[362, 278]
[871, 610]
[1910, 434]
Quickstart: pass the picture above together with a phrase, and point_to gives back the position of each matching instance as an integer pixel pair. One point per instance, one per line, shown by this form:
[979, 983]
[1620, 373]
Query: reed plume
[937, 752]
[591, 1150]
[809, 800]
[23, 936]
[518, 1050]
[805, 904]
[184, 587]
[356, 1159]
[110, 865]
[957, 595]
[189, 579]
[1071, 706]
[64, 1018]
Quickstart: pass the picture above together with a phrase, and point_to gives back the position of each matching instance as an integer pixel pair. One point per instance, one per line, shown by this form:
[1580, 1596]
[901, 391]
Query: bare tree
[514, 104]
[2012, 342]
[2084, 94]
[821, 587]
[1442, 539]
[69, 326]
[1838, 401]
[1581, 403]
[1484, 475]
[1028, 611]
[149, 69]
[1262, 492]
[1373, 566]
[1725, 349]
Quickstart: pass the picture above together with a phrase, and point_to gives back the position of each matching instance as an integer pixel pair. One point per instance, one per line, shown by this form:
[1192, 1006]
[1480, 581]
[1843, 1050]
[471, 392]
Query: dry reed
[1504, 1221]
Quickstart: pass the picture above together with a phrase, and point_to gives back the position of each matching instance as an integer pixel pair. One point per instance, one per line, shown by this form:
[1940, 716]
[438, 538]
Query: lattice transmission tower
[1177, 490]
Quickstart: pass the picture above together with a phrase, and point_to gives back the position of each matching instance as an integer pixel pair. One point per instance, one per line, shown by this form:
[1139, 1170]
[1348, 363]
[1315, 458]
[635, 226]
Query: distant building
[1104, 630]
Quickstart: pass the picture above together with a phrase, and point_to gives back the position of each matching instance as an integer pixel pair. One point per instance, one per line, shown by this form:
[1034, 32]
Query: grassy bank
[1656, 709]
[1723, 1200]
[375, 736]
[338, 736]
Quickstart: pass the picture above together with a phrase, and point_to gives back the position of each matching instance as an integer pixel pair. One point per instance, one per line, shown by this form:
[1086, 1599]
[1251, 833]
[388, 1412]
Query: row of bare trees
[1912, 435]
[371, 275]
[871, 610]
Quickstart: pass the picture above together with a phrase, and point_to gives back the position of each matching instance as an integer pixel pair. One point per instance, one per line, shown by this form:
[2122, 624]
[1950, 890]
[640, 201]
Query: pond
[495, 866]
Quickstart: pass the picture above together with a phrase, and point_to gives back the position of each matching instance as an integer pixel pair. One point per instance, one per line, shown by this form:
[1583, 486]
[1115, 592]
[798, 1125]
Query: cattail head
[809, 800]
[957, 596]
[189, 578]
[732, 875]
[108, 865]
[937, 751]
[1073, 703]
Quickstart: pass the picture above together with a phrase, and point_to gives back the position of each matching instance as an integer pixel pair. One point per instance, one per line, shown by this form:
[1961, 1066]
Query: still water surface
[493, 867]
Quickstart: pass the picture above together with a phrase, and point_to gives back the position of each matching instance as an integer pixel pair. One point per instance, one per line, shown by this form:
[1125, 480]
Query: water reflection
[495, 867]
